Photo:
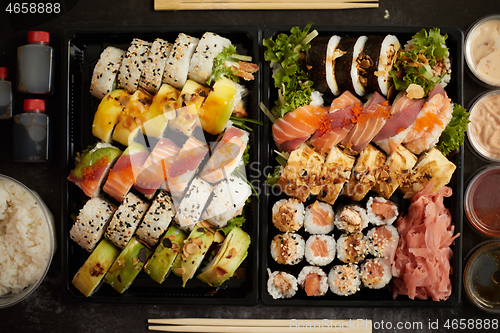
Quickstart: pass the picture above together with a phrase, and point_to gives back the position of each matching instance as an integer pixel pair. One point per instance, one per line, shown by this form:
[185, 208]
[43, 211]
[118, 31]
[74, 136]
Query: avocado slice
[158, 266]
[92, 156]
[233, 251]
[89, 277]
[128, 264]
[193, 251]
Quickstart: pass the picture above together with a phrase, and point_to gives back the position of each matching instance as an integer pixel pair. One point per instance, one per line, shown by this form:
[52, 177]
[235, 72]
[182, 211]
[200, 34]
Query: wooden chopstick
[256, 5]
[260, 325]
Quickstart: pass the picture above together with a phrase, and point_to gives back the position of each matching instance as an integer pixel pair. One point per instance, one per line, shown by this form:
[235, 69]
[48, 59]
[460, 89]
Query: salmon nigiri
[338, 122]
[375, 113]
[297, 126]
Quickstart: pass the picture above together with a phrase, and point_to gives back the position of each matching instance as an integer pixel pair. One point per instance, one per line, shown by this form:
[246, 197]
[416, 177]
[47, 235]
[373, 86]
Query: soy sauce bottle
[35, 64]
[31, 132]
[5, 95]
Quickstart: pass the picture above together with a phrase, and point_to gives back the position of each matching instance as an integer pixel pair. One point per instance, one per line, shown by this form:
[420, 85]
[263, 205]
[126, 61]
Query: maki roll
[288, 248]
[313, 280]
[365, 173]
[380, 53]
[376, 273]
[320, 250]
[228, 200]
[288, 215]
[89, 277]
[396, 170]
[161, 111]
[158, 266]
[92, 167]
[344, 280]
[177, 66]
[351, 218]
[319, 218]
[133, 64]
[91, 223]
[152, 73]
[108, 114]
[317, 59]
[343, 64]
[192, 204]
[105, 72]
[123, 175]
[352, 248]
[381, 211]
[127, 217]
[281, 284]
[209, 46]
[157, 219]
[383, 241]
[128, 265]
[332, 53]
[358, 66]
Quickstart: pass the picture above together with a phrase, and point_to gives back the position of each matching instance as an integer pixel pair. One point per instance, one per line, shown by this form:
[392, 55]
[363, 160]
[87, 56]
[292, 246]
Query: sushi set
[323, 243]
[132, 233]
[156, 210]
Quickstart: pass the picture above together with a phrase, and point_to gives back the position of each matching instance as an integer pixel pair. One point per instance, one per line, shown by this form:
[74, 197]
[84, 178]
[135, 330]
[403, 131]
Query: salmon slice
[319, 248]
[345, 100]
[383, 209]
[123, 174]
[312, 284]
[153, 173]
[374, 116]
[299, 123]
[185, 165]
[320, 216]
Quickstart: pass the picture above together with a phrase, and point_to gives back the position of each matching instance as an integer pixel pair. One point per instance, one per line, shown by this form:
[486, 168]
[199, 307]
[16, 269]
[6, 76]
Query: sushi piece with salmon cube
[381, 211]
[91, 223]
[319, 218]
[313, 280]
[92, 168]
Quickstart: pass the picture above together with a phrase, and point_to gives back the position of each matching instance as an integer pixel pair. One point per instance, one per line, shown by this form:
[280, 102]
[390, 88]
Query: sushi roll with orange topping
[344, 280]
[381, 211]
[376, 273]
[320, 250]
[288, 215]
[288, 248]
[383, 241]
[352, 248]
[319, 218]
[281, 284]
[313, 280]
[351, 218]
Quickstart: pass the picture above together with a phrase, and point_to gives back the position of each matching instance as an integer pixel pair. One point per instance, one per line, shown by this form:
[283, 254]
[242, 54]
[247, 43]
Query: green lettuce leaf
[453, 135]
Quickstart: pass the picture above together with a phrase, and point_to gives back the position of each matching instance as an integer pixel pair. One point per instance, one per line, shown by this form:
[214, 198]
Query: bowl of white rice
[27, 241]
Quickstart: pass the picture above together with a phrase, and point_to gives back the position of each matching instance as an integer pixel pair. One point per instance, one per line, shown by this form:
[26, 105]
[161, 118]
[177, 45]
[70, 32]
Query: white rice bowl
[26, 241]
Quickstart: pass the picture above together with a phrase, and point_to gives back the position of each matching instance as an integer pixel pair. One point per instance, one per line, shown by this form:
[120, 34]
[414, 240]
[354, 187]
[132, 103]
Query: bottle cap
[3, 72]
[38, 37]
[34, 105]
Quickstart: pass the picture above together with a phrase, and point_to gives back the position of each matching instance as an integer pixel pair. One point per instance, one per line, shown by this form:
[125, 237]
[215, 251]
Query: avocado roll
[89, 277]
[157, 219]
[209, 46]
[122, 226]
[91, 223]
[128, 264]
[133, 64]
[158, 266]
[177, 66]
[106, 70]
[152, 73]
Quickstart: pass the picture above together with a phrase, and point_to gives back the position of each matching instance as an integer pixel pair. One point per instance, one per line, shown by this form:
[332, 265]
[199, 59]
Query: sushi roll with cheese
[105, 72]
[227, 201]
[133, 64]
[177, 66]
[383, 241]
[381, 211]
[344, 280]
[376, 273]
[288, 248]
[313, 280]
[127, 217]
[192, 204]
[288, 215]
[352, 248]
[319, 218]
[209, 46]
[281, 284]
[152, 73]
[91, 223]
[320, 250]
[351, 218]
[157, 219]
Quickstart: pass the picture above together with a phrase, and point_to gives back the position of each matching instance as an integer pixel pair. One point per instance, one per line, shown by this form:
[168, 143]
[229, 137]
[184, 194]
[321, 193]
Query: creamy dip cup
[483, 131]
